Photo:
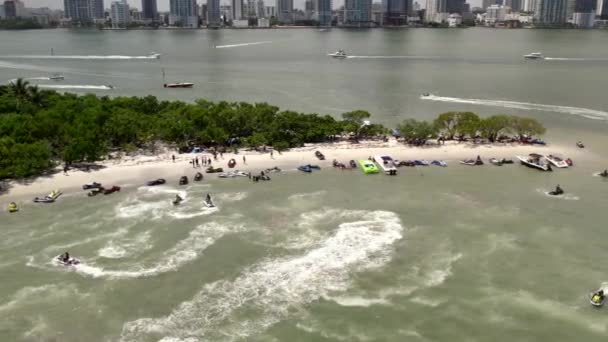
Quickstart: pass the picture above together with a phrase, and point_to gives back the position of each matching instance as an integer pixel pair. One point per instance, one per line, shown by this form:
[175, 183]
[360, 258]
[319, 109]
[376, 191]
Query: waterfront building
[396, 12]
[214, 17]
[149, 10]
[584, 13]
[496, 13]
[324, 12]
[119, 13]
[183, 13]
[80, 11]
[358, 13]
[551, 12]
[529, 6]
[237, 9]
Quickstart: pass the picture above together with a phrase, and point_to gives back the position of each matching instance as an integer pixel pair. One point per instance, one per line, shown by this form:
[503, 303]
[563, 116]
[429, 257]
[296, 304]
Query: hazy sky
[163, 5]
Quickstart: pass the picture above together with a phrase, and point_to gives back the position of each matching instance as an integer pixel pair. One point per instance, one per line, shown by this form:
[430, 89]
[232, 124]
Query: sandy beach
[136, 170]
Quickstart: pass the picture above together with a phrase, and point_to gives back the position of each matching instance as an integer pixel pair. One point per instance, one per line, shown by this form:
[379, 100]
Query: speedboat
[178, 85]
[535, 161]
[386, 164]
[12, 207]
[56, 77]
[557, 161]
[368, 167]
[90, 186]
[534, 55]
[159, 181]
[338, 54]
[183, 180]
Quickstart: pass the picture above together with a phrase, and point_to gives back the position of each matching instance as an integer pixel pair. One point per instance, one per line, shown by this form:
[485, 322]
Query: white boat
[535, 161]
[154, 55]
[57, 77]
[178, 85]
[557, 161]
[387, 164]
[338, 54]
[534, 55]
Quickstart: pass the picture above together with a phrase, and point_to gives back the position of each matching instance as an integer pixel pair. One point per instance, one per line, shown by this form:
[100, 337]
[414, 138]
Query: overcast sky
[163, 5]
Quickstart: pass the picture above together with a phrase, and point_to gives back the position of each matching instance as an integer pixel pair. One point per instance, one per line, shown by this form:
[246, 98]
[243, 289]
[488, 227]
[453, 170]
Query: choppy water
[434, 254]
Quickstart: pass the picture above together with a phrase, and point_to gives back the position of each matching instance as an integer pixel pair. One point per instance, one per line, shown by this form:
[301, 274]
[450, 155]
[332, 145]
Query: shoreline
[138, 169]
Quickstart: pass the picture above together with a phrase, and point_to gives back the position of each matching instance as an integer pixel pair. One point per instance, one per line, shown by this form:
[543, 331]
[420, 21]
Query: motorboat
[198, 177]
[159, 181]
[56, 77]
[386, 164]
[183, 180]
[597, 299]
[50, 198]
[439, 163]
[580, 144]
[178, 85]
[557, 161]
[338, 54]
[535, 161]
[534, 55]
[111, 190]
[12, 207]
[368, 167]
[154, 55]
[319, 155]
[90, 186]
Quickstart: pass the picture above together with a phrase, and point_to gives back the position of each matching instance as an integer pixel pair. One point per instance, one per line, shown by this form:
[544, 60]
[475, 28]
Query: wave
[266, 293]
[126, 247]
[585, 112]
[307, 195]
[443, 270]
[242, 44]
[359, 301]
[182, 253]
[31, 294]
[75, 86]
[95, 57]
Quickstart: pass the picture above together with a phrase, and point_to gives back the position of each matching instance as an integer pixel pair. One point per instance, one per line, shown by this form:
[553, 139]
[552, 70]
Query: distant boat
[535, 161]
[176, 84]
[338, 54]
[155, 55]
[57, 77]
[534, 55]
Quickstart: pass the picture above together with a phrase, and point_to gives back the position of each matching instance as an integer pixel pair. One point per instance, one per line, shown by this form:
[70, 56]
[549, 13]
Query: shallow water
[434, 254]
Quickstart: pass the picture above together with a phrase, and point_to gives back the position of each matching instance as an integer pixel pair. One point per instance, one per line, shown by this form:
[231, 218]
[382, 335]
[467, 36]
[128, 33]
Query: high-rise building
[260, 12]
[529, 6]
[10, 9]
[79, 10]
[584, 13]
[324, 11]
[551, 12]
[119, 12]
[454, 6]
[396, 12]
[214, 17]
[98, 9]
[515, 5]
[149, 10]
[309, 9]
[271, 11]
[604, 11]
[358, 13]
[183, 13]
[237, 9]
[585, 6]
[285, 11]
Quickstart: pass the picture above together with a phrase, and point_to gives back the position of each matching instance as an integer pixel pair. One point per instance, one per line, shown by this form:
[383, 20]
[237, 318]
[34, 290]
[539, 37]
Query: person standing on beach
[193, 164]
[65, 169]
[271, 154]
[196, 160]
[173, 157]
[245, 161]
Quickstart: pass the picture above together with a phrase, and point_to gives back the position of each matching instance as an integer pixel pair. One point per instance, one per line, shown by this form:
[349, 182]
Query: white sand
[135, 171]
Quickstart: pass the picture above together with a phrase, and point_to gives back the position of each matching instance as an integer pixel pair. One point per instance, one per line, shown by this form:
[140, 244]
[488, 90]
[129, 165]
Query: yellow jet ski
[12, 207]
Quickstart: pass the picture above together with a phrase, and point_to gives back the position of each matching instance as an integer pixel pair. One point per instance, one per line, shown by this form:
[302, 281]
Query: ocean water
[433, 254]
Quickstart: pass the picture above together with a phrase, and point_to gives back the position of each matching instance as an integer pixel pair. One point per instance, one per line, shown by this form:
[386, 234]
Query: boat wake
[584, 112]
[96, 57]
[75, 86]
[567, 197]
[242, 44]
[126, 247]
[267, 292]
[575, 59]
[393, 57]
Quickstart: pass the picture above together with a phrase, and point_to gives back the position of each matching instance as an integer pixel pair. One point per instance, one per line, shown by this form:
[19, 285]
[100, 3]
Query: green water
[434, 254]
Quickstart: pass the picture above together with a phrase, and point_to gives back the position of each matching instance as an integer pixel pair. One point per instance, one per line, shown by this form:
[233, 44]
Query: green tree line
[41, 128]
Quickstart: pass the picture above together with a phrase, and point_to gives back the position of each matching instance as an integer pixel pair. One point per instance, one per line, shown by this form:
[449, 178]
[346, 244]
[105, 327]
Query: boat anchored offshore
[338, 54]
[56, 77]
[535, 161]
[176, 84]
[534, 55]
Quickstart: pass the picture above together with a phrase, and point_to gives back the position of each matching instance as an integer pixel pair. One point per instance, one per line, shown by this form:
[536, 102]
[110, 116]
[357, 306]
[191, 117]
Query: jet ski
[421, 162]
[305, 168]
[177, 200]
[95, 192]
[93, 185]
[71, 261]
[557, 192]
[439, 163]
[597, 299]
[353, 164]
[603, 174]
[159, 181]
[198, 177]
[111, 190]
[183, 180]
[208, 203]
[12, 207]
[580, 144]
[319, 155]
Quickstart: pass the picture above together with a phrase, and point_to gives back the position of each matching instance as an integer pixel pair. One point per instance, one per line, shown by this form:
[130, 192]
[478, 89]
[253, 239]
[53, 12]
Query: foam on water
[97, 57]
[307, 195]
[584, 112]
[126, 247]
[567, 197]
[442, 271]
[242, 44]
[32, 294]
[359, 301]
[427, 301]
[74, 86]
[267, 291]
[182, 253]
[231, 196]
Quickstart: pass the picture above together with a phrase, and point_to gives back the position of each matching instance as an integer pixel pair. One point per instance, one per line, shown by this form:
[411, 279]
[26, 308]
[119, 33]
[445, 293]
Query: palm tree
[35, 96]
[19, 89]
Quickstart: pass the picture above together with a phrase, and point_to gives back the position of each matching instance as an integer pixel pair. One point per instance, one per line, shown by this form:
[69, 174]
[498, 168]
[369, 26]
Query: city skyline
[163, 5]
